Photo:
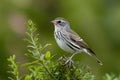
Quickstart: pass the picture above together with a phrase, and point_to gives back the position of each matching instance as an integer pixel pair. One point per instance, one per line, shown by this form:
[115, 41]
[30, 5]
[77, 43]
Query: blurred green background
[97, 21]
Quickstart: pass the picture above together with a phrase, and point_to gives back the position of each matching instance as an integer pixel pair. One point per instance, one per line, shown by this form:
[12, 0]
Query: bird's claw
[69, 62]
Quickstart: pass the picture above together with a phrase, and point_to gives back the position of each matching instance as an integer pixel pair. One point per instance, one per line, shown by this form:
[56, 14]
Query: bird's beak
[53, 21]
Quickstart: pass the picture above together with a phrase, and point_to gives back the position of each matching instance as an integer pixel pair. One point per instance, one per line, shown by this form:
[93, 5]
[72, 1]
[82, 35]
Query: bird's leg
[70, 59]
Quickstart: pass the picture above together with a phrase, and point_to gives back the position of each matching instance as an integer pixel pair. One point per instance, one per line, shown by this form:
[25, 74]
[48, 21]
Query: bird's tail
[91, 53]
[97, 59]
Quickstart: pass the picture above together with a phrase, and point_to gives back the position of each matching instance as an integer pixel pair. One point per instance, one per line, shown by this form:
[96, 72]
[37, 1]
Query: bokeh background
[97, 21]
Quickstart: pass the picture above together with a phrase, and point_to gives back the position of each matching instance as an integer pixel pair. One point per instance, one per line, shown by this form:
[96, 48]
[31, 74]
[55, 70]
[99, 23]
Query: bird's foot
[65, 61]
[69, 62]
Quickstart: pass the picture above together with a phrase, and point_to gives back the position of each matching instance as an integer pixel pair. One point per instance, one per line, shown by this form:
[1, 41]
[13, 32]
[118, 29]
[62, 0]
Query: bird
[69, 41]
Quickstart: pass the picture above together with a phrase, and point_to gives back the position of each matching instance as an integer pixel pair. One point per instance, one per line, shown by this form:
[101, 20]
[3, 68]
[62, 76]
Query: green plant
[111, 77]
[42, 67]
[14, 68]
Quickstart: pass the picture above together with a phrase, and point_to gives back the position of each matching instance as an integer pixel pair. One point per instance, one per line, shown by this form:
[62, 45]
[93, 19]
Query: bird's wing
[79, 41]
[76, 38]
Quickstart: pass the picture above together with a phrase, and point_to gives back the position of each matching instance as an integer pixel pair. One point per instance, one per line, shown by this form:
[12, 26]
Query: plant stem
[48, 71]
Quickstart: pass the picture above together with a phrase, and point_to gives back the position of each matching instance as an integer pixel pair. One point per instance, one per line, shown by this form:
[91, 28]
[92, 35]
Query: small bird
[70, 41]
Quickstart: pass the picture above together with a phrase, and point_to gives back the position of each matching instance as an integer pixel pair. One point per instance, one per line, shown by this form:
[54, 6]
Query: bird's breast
[62, 44]
[65, 43]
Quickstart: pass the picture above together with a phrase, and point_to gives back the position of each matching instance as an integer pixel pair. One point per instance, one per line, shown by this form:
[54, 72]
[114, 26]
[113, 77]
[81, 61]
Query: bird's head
[60, 22]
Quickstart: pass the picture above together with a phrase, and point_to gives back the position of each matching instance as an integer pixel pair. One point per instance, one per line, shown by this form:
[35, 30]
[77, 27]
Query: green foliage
[42, 67]
[72, 71]
[111, 77]
[14, 68]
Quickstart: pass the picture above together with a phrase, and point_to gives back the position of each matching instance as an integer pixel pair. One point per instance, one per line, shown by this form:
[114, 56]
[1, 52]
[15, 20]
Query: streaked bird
[70, 41]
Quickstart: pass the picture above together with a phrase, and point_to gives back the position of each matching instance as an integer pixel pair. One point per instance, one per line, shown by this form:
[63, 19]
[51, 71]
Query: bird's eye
[59, 22]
